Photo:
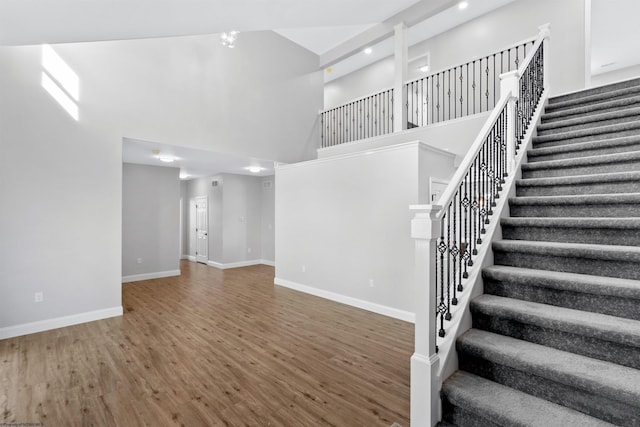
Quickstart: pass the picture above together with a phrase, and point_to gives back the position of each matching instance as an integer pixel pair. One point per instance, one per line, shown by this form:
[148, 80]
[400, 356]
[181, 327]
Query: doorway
[202, 230]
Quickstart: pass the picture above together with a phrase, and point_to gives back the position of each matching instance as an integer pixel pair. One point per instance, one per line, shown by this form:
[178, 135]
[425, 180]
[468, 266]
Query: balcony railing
[459, 91]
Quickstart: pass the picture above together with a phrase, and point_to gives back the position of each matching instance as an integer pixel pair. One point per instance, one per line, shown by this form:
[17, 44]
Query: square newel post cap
[425, 223]
[544, 30]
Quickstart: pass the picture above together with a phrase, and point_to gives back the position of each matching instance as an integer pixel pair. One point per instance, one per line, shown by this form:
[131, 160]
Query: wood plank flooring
[210, 348]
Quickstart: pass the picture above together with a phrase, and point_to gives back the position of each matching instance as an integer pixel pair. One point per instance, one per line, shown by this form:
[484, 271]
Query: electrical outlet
[304, 268]
[39, 297]
[371, 283]
[139, 260]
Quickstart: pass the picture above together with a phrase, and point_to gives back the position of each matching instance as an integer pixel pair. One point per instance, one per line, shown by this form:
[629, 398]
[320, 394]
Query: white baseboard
[354, 302]
[147, 276]
[224, 266]
[58, 322]
[189, 258]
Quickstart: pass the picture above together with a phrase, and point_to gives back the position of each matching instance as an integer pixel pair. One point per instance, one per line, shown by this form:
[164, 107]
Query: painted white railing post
[401, 59]
[425, 362]
[545, 31]
[509, 87]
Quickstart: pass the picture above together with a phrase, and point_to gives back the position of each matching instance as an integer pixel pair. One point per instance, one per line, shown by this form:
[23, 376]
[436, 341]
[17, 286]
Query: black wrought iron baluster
[448, 215]
[466, 203]
[460, 243]
[454, 252]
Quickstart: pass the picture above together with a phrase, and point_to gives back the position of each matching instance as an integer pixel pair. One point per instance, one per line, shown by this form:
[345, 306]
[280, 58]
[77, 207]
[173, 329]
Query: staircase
[556, 336]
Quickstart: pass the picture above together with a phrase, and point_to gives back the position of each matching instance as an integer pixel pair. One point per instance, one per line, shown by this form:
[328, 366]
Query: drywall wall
[150, 221]
[60, 223]
[484, 35]
[66, 175]
[342, 224]
[615, 76]
[240, 212]
[455, 136]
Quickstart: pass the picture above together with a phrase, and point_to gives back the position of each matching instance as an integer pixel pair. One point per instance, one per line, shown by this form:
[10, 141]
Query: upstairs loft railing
[449, 236]
[463, 90]
[458, 91]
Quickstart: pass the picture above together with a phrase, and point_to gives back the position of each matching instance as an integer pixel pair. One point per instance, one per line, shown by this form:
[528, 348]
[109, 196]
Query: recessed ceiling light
[184, 176]
[254, 169]
[167, 158]
[368, 51]
[424, 68]
[463, 5]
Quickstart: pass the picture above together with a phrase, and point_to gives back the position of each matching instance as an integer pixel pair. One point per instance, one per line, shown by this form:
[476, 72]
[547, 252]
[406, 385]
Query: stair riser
[601, 108]
[532, 157]
[545, 130]
[602, 236]
[630, 166]
[462, 418]
[596, 405]
[549, 141]
[577, 189]
[626, 355]
[570, 264]
[575, 211]
[603, 304]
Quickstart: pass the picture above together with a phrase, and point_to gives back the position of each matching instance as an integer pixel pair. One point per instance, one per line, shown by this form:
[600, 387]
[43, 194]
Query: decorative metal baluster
[459, 288]
[494, 80]
[466, 203]
[453, 253]
[448, 315]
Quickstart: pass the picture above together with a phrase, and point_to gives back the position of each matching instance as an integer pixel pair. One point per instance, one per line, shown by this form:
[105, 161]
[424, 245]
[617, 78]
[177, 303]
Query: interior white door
[202, 230]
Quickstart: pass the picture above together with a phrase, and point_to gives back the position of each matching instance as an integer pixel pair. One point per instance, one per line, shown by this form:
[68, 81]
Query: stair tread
[585, 109]
[600, 159]
[584, 283]
[583, 146]
[506, 406]
[576, 250]
[556, 103]
[603, 378]
[591, 118]
[577, 199]
[580, 179]
[598, 130]
[573, 222]
[595, 325]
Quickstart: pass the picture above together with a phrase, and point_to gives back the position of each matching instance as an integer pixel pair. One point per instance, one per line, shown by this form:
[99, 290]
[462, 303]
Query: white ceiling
[192, 162]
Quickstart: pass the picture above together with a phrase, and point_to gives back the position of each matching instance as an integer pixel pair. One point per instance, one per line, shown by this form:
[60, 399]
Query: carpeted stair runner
[556, 335]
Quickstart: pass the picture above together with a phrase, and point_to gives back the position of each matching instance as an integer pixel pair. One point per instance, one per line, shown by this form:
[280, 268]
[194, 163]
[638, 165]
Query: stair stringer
[473, 286]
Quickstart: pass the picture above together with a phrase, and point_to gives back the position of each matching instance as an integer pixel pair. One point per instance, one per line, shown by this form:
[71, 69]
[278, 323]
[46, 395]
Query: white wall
[240, 212]
[343, 221]
[60, 222]
[150, 221]
[485, 35]
[615, 76]
[66, 176]
[268, 218]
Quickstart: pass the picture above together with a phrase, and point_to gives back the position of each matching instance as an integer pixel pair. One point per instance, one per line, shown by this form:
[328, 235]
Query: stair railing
[448, 236]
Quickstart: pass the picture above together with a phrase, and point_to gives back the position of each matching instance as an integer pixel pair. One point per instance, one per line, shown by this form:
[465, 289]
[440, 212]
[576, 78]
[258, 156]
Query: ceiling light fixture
[229, 39]
[254, 169]
[463, 5]
[368, 51]
[167, 159]
[184, 176]
[424, 68]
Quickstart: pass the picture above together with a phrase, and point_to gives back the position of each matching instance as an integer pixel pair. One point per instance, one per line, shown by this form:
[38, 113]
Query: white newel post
[509, 85]
[401, 60]
[425, 362]
[545, 31]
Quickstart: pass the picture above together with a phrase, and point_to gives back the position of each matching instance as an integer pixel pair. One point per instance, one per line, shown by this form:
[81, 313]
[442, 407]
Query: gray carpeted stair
[556, 334]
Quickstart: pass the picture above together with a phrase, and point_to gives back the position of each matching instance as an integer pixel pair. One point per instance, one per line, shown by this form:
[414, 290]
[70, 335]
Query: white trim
[147, 276]
[189, 257]
[224, 266]
[354, 302]
[392, 147]
[58, 322]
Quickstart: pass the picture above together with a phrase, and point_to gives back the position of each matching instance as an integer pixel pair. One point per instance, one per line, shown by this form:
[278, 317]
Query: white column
[401, 62]
[425, 362]
[509, 87]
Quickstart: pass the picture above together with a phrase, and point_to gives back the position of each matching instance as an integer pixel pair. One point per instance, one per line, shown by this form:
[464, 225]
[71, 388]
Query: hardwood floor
[211, 348]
